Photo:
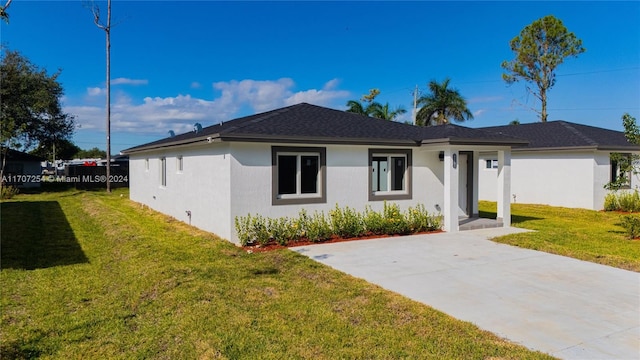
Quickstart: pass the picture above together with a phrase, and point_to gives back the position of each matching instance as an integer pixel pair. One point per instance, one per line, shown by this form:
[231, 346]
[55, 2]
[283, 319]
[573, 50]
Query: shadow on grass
[36, 235]
[515, 219]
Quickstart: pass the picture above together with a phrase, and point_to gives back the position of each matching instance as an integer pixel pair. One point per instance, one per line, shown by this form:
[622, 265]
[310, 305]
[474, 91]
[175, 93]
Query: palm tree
[384, 112]
[441, 105]
[357, 107]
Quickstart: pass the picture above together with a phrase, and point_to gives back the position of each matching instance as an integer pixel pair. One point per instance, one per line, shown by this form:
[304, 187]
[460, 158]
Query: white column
[476, 186]
[450, 209]
[504, 187]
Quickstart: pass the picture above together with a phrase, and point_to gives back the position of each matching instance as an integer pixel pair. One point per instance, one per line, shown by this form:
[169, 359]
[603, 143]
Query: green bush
[344, 222]
[420, 220]
[394, 221]
[628, 201]
[282, 230]
[252, 230]
[631, 223]
[315, 228]
[611, 202]
[8, 192]
[373, 221]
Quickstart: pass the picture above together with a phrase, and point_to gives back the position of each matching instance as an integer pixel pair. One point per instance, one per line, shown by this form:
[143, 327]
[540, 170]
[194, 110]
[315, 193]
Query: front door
[465, 182]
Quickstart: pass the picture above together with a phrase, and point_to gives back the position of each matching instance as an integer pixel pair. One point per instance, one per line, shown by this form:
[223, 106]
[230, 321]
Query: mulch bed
[335, 239]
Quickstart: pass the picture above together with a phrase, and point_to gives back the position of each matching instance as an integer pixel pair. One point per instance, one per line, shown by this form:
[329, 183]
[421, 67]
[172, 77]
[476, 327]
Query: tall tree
[539, 49]
[442, 104]
[106, 26]
[385, 112]
[30, 111]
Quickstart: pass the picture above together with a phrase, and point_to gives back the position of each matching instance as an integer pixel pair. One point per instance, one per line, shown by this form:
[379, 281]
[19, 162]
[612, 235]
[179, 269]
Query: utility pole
[95, 10]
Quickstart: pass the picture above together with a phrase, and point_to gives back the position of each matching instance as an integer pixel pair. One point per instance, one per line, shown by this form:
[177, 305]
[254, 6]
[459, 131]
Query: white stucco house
[307, 156]
[564, 164]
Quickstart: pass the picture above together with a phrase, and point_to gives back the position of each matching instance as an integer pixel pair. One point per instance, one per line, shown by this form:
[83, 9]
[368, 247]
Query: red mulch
[304, 242]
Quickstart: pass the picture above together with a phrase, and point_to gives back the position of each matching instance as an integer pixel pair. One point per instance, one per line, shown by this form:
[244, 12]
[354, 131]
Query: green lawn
[90, 275]
[594, 236]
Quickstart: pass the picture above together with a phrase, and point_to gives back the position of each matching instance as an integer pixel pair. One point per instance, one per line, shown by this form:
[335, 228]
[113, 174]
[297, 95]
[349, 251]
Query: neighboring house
[565, 164]
[305, 156]
[21, 169]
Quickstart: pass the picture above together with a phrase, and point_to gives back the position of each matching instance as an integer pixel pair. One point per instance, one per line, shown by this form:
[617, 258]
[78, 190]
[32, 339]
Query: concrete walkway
[568, 308]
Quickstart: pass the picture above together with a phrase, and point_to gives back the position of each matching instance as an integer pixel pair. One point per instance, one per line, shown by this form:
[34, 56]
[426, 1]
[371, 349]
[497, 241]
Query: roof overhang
[582, 148]
[483, 142]
[271, 139]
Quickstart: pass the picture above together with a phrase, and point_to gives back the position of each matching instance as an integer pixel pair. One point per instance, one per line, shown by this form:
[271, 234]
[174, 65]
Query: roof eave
[581, 148]
[204, 139]
[463, 141]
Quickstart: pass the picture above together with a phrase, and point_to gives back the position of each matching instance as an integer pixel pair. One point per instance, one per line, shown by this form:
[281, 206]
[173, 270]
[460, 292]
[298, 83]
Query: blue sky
[176, 63]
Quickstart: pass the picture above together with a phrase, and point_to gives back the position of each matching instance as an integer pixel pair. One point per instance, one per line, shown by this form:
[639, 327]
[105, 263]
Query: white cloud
[95, 91]
[196, 85]
[157, 115]
[127, 81]
[479, 112]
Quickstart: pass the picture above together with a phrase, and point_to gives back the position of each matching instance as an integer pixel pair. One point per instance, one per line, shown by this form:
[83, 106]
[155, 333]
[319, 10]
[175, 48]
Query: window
[298, 175]
[620, 170]
[146, 164]
[390, 174]
[163, 172]
[179, 164]
[492, 164]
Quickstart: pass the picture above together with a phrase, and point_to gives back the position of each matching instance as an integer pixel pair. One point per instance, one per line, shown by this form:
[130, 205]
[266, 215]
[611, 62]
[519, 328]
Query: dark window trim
[322, 174]
[615, 171]
[408, 175]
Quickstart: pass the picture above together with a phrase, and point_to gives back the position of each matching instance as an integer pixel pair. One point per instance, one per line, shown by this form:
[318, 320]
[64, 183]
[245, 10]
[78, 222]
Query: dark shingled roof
[565, 135]
[306, 123]
[15, 155]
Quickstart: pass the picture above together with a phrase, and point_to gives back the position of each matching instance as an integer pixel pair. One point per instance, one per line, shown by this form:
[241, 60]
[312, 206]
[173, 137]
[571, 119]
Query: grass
[595, 236]
[93, 275]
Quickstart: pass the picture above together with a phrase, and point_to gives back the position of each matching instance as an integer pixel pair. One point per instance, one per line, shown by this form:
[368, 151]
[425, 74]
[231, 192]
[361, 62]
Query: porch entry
[465, 183]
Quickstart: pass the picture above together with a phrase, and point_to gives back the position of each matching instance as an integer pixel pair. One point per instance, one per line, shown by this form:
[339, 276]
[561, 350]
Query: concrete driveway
[565, 307]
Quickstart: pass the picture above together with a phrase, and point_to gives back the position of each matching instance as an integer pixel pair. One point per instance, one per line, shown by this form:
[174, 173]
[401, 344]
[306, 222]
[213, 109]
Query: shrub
[8, 192]
[631, 223]
[611, 202]
[629, 201]
[346, 222]
[282, 230]
[373, 221]
[394, 221]
[343, 222]
[315, 228]
[251, 230]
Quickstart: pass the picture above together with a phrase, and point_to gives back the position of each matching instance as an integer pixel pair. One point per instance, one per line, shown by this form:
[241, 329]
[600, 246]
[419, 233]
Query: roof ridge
[577, 132]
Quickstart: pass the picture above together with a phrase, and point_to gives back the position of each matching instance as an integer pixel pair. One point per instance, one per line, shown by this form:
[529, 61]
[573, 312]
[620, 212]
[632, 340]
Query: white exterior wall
[347, 181]
[563, 178]
[203, 187]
